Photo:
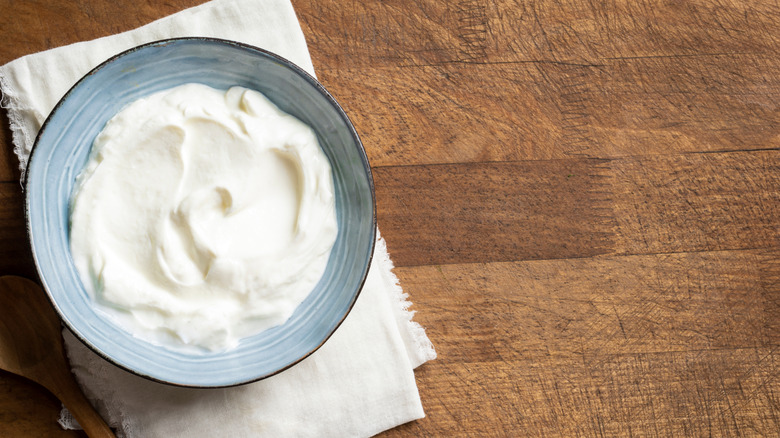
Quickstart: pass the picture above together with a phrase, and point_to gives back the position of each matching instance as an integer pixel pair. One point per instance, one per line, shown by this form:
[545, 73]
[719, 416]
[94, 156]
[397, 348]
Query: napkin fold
[360, 383]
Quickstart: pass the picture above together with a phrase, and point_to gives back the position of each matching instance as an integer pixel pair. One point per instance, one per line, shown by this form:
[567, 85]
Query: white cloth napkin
[359, 383]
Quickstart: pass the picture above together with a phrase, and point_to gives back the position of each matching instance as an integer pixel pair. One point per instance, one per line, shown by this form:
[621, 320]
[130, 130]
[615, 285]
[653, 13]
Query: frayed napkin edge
[422, 349]
[19, 136]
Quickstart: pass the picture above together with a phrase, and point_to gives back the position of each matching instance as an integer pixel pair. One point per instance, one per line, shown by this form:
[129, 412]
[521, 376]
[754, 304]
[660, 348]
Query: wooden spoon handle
[71, 396]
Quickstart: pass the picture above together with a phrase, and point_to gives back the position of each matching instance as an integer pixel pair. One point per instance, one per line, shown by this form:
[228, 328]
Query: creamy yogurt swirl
[202, 216]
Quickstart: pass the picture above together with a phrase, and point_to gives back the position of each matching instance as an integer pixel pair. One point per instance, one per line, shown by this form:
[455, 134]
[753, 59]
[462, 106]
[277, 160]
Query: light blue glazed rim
[61, 150]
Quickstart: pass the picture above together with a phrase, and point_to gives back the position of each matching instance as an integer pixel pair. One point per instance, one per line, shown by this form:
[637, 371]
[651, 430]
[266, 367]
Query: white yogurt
[202, 216]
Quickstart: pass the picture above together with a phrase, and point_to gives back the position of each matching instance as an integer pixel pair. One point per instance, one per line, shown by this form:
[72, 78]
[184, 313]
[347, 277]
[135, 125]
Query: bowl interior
[62, 149]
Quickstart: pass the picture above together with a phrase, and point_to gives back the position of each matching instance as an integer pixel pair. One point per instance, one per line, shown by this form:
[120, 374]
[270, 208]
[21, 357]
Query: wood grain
[583, 200]
[614, 304]
[579, 207]
[15, 255]
[423, 32]
[666, 345]
[525, 80]
[36, 25]
[538, 111]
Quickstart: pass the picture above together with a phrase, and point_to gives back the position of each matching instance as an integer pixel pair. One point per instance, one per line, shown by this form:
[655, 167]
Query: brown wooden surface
[31, 346]
[582, 199]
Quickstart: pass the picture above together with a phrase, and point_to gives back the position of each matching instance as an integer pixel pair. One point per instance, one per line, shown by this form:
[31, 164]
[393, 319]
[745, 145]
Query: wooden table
[582, 199]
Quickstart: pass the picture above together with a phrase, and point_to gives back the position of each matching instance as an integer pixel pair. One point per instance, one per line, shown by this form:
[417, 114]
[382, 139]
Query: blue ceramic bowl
[62, 148]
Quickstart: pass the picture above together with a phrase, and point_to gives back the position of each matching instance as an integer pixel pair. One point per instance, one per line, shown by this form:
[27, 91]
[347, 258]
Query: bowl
[61, 150]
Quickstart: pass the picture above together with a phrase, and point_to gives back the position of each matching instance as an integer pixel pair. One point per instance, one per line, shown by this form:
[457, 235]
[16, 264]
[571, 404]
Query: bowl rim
[243, 46]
